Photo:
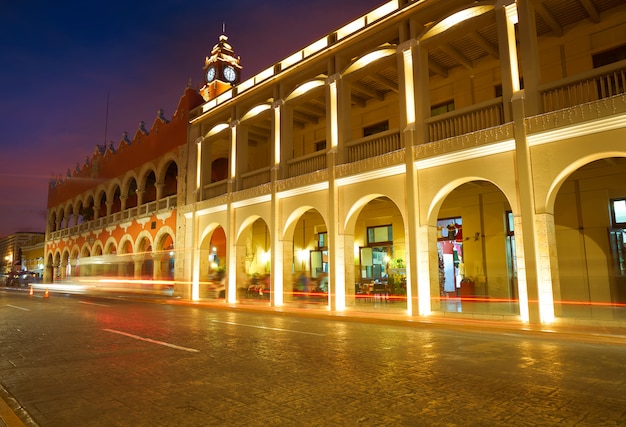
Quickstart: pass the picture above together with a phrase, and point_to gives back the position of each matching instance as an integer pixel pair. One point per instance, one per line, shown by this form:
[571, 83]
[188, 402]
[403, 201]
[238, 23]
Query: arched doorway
[590, 234]
[306, 283]
[379, 258]
[253, 258]
[212, 266]
[476, 252]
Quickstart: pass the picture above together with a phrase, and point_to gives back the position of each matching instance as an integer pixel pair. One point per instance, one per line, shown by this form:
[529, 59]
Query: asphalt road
[76, 360]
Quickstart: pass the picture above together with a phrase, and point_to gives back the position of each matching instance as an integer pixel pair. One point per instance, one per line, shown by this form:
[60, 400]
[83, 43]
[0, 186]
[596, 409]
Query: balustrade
[373, 145]
[255, 178]
[214, 189]
[117, 217]
[466, 120]
[306, 164]
[600, 83]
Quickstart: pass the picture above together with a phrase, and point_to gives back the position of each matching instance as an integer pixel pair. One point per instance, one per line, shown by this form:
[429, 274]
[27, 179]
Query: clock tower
[221, 70]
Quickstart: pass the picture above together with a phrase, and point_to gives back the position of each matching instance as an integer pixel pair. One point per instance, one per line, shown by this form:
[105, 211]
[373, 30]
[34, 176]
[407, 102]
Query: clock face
[230, 74]
[210, 74]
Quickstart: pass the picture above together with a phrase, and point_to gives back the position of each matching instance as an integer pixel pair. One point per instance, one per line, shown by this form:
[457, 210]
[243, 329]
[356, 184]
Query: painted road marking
[93, 303]
[271, 329]
[19, 308]
[137, 337]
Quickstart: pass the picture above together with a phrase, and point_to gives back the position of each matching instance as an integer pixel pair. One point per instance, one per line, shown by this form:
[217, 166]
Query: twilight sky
[60, 60]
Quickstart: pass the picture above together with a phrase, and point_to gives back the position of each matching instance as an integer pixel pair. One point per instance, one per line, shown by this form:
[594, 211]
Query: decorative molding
[143, 221]
[163, 216]
[576, 115]
[383, 161]
[463, 142]
[302, 180]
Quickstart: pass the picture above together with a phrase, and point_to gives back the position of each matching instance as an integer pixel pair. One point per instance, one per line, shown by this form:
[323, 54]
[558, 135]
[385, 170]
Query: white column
[336, 243]
[276, 262]
[231, 244]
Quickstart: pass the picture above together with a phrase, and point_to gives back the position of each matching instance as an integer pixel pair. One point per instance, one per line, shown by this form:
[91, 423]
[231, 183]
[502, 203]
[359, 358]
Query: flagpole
[106, 121]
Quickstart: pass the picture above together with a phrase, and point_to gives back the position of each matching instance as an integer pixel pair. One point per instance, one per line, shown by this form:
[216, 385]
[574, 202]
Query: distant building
[428, 158]
[21, 250]
[33, 255]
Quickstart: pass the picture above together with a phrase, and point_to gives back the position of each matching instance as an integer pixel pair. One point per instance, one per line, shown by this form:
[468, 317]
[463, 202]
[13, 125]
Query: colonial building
[453, 158]
[115, 215]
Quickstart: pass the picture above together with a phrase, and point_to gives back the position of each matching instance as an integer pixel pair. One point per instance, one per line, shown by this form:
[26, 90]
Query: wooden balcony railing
[373, 145]
[306, 164]
[599, 83]
[255, 178]
[214, 189]
[466, 120]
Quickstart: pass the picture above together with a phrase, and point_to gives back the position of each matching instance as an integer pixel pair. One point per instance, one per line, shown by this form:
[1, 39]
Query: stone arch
[115, 195]
[129, 190]
[52, 221]
[101, 203]
[144, 256]
[216, 152]
[382, 53]
[164, 254]
[169, 179]
[110, 246]
[147, 185]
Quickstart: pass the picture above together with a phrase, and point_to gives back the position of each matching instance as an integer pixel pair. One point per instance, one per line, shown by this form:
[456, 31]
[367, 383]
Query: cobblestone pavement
[75, 360]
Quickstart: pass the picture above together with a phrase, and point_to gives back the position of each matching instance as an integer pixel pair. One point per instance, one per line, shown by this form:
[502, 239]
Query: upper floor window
[319, 146]
[444, 107]
[379, 234]
[376, 128]
[609, 56]
[510, 227]
[618, 213]
[322, 240]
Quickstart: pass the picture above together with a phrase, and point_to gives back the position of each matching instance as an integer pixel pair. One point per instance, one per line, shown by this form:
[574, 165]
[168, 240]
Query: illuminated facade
[453, 158]
[429, 158]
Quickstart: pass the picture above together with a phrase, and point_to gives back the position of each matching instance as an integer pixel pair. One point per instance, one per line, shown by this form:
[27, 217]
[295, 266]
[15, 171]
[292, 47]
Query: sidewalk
[580, 332]
[8, 418]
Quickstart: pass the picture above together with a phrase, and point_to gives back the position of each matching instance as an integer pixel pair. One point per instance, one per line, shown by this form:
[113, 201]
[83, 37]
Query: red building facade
[114, 217]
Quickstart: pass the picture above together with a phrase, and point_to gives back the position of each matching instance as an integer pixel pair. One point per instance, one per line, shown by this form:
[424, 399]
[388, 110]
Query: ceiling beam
[306, 118]
[358, 100]
[389, 84]
[437, 69]
[593, 13]
[311, 109]
[259, 132]
[484, 44]
[454, 54]
[366, 90]
[549, 19]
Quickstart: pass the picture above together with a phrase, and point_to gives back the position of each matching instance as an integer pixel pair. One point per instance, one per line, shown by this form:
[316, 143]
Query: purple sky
[62, 59]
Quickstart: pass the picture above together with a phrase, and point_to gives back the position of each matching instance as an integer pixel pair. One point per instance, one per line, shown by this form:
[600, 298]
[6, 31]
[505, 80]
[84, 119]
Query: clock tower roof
[223, 51]
[221, 69]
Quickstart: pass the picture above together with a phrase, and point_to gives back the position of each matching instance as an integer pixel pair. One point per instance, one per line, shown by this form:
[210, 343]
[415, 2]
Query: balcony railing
[306, 164]
[255, 178]
[466, 120]
[117, 217]
[214, 189]
[602, 82]
[373, 145]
